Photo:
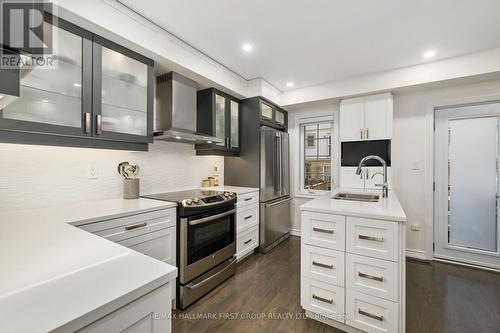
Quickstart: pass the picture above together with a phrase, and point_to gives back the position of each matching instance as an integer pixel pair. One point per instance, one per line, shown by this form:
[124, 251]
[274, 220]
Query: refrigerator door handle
[278, 202]
[280, 163]
[276, 177]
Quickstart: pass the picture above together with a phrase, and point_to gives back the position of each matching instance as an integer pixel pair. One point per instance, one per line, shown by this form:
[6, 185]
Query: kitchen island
[59, 278]
[353, 262]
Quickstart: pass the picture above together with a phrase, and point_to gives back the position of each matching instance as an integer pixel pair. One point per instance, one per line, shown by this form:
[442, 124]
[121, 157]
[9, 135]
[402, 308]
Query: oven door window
[206, 238]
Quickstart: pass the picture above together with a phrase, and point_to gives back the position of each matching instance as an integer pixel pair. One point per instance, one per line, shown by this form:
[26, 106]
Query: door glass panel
[220, 119]
[280, 117]
[206, 238]
[124, 93]
[266, 111]
[234, 124]
[473, 183]
[52, 95]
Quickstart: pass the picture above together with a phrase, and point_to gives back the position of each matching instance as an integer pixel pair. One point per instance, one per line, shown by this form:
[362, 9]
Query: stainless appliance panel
[191, 292]
[274, 223]
[285, 163]
[269, 164]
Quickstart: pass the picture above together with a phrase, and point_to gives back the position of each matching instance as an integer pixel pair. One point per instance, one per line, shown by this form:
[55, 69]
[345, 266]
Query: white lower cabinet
[247, 224]
[323, 298]
[149, 313]
[371, 314]
[353, 272]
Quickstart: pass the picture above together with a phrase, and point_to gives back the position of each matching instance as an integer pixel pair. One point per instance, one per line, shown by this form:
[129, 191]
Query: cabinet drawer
[247, 240]
[246, 217]
[372, 276]
[122, 228]
[373, 238]
[325, 230]
[371, 314]
[323, 264]
[247, 199]
[322, 298]
[159, 245]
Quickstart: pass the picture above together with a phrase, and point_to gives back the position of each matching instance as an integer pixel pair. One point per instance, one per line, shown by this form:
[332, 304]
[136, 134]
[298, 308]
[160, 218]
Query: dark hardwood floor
[264, 297]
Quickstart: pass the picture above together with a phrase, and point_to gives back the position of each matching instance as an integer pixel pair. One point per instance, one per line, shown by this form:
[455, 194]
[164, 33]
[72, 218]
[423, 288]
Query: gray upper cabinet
[272, 115]
[218, 114]
[98, 94]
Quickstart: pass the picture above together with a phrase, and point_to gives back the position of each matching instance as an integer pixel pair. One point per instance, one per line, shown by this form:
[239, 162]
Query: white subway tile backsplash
[37, 176]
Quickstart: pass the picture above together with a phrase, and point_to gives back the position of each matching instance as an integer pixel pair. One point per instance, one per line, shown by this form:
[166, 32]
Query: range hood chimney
[175, 117]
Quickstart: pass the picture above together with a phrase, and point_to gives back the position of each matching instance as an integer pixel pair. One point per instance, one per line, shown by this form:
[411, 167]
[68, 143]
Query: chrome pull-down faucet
[385, 185]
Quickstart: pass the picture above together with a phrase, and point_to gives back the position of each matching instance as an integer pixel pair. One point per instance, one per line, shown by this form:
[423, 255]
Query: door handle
[368, 314]
[367, 133]
[136, 226]
[325, 231]
[248, 217]
[321, 299]
[211, 218]
[361, 133]
[98, 124]
[88, 118]
[371, 238]
[248, 241]
[371, 277]
[278, 203]
[319, 264]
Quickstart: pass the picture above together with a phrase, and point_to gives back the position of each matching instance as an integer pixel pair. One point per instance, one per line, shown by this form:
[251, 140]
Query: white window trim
[299, 146]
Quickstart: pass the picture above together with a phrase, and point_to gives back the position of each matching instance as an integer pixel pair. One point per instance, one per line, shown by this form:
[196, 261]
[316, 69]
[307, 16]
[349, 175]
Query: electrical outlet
[415, 227]
[92, 172]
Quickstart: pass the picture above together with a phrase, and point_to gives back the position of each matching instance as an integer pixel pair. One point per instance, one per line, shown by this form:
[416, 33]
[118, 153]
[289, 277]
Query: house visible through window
[317, 155]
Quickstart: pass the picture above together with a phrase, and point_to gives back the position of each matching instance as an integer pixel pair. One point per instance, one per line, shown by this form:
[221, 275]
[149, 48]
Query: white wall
[412, 139]
[317, 109]
[37, 176]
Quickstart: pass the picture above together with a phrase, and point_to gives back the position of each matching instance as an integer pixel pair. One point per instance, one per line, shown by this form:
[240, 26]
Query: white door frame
[443, 250]
[429, 156]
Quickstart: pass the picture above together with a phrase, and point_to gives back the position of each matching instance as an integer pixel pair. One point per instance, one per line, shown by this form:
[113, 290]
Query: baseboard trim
[295, 232]
[416, 254]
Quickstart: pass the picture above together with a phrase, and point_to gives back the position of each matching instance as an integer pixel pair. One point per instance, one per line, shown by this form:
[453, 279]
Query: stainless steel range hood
[175, 118]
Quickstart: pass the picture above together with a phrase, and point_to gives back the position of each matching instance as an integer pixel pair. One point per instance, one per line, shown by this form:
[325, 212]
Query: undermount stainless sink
[356, 197]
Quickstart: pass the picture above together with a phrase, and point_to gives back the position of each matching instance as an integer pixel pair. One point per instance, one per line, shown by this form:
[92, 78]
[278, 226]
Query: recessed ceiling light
[45, 101]
[77, 85]
[178, 137]
[290, 84]
[247, 47]
[209, 141]
[429, 54]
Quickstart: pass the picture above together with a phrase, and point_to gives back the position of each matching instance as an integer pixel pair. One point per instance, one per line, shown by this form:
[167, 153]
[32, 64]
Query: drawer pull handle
[371, 277]
[368, 314]
[319, 264]
[326, 231]
[248, 199]
[248, 241]
[321, 299]
[371, 238]
[136, 226]
[248, 217]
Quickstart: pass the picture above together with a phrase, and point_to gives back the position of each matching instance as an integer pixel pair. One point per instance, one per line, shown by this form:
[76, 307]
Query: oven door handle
[211, 218]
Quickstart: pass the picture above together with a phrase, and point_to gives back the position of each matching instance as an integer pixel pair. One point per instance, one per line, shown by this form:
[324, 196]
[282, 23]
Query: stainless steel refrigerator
[274, 187]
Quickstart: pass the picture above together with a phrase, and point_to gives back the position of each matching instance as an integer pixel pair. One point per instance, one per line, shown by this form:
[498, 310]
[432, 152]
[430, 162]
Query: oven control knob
[189, 202]
[196, 200]
[226, 194]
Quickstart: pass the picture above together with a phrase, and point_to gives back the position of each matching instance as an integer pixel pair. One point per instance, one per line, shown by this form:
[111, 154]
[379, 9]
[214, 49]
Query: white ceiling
[315, 41]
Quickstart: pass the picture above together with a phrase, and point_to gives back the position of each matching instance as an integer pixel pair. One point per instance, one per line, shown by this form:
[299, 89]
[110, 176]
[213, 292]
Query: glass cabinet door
[234, 124]
[121, 92]
[55, 96]
[266, 110]
[220, 119]
[280, 117]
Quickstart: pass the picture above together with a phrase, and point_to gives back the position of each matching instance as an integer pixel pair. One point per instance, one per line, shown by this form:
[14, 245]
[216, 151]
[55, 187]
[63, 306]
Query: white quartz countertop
[235, 189]
[53, 273]
[385, 209]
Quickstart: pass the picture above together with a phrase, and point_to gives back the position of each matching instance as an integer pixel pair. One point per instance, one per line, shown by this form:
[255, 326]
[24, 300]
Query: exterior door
[467, 189]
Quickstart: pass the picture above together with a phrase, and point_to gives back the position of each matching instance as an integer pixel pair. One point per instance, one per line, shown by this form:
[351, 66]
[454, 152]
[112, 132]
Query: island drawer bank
[353, 265]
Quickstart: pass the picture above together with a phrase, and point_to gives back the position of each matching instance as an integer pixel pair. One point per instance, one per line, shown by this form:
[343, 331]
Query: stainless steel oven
[206, 241]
